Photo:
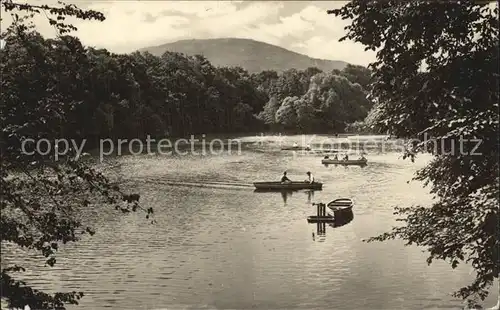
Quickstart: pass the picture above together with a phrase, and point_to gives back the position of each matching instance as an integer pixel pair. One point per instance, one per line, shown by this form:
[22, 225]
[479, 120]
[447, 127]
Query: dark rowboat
[287, 186]
[359, 162]
[296, 148]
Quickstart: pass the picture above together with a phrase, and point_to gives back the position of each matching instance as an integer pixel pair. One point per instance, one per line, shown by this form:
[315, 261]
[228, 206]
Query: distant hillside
[251, 55]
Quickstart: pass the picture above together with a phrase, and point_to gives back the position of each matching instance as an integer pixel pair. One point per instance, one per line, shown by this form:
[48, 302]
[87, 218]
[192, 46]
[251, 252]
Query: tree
[357, 74]
[264, 79]
[436, 73]
[290, 83]
[306, 114]
[336, 101]
[286, 114]
[357, 127]
[268, 114]
[42, 196]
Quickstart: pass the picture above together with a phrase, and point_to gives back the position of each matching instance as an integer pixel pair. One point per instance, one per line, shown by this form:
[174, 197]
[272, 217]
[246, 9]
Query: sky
[299, 26]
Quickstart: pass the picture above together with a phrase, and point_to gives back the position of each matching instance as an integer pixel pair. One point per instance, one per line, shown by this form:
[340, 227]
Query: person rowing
[310, 178]
[285, 179]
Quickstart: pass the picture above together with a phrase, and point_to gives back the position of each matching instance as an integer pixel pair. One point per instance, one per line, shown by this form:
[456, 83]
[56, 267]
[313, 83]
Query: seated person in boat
[295, 144]
[327, 157]
[285, 179]
[346, 157]
[308, 147]
[336, 157]
[310, 178]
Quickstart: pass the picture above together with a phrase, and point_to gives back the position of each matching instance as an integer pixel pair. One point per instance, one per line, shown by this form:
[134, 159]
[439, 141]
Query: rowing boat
[325, 151]
[287, 185]
[328, 161]
[296, 148]
[340, 205]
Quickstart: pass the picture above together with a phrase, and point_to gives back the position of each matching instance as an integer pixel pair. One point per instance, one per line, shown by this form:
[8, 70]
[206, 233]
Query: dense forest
[110, 95]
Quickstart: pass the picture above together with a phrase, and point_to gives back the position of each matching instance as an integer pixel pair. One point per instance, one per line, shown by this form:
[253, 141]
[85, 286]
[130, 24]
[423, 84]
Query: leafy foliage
[132, 96]
[358, 75]
[437, 74]
[358, 127]
[286, 114]
[41, 95]
[312, 100]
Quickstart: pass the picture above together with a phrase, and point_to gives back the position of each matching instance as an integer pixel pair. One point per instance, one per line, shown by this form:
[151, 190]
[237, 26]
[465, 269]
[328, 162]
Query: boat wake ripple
[205, 184]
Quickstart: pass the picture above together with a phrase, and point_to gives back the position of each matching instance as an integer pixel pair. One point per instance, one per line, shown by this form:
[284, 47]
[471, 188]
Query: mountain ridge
[252, 55]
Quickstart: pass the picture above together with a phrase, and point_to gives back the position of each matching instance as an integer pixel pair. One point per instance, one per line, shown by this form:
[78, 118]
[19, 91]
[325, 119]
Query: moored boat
[329, 161]
[340, 205]
[287, 185]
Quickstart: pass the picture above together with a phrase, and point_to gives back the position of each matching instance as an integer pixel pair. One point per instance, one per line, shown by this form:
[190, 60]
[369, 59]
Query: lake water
[217, 244]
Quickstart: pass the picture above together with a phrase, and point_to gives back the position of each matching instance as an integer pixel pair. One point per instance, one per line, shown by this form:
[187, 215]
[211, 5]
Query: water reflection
[345, 166]
[341, 218]
[320, 232]
[310, 195]
[286, 194]
[238, 250]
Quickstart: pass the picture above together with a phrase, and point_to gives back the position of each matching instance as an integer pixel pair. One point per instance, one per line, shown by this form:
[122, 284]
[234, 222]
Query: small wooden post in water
[321, 209]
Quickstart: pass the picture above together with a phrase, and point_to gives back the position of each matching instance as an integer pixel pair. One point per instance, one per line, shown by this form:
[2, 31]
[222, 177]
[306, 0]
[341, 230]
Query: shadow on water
[285, 194]
[340, 219]
[310, 195]
[345, 166]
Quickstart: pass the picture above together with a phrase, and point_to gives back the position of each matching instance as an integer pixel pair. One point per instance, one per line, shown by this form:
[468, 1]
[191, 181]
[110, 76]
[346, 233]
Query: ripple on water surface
[219, 245]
